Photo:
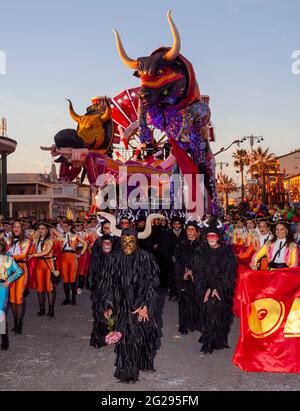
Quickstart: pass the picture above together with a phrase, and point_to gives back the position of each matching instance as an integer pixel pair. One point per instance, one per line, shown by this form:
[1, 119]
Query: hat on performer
[192, 224]
[281, 221]
[6, 222]
[267, 219]
[44, 223]
[130, 232]
[107, 237]
[69, 222]
[78, 222]
[176, 219]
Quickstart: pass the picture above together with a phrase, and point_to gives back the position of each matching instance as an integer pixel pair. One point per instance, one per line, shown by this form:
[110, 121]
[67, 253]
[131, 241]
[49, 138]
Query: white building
[43, 196]
[290, 163]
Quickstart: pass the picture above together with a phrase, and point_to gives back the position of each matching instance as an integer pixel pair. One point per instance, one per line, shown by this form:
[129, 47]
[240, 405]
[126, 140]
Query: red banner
[269, 321]
[236, 306]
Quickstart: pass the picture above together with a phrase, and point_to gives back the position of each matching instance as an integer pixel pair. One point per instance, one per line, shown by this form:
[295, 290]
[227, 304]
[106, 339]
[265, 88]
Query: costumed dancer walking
[31, 235]
[167, 245]
[7, 230]
[18, 248]
[264, 235]
[94, 224]
[215, 273]
[133, 298]
[252, 243]
[44, 264]
[188, 303]
[101, 273]
[10, 272]
[240, 233]
[158, 230]
[68, 261]
[54, 234]
[90, 236]
[281, 251]
[84, 259]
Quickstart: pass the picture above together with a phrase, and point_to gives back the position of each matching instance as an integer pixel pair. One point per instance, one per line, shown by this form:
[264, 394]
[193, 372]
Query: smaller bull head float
[90, 126]
[169, 99]
[76, 148]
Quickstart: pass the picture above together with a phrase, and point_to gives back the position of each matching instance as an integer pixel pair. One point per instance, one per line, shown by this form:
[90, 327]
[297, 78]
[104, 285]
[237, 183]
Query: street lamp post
[252, 138]
[241, 171]
[225, 149]
[221, 164]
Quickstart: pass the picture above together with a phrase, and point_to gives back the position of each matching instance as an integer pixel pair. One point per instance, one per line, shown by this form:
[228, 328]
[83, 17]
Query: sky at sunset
[241, 51]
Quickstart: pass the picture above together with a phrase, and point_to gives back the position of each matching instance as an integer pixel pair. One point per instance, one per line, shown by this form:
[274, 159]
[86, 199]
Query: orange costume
[253, 245]
[68, 263]
[43, 264]
[90, 236]
[19, 250]
[85, 258]
[239, 237]
[68, 260]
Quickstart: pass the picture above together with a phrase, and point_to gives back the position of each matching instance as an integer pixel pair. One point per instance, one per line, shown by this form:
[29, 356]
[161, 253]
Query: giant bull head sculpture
[170, 101]
[164, 74]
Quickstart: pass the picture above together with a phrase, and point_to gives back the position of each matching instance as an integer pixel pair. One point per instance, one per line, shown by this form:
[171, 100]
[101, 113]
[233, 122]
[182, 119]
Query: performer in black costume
[130, 301]
[167, 246]
[215, 268]
[188, 302]
[135, 292]
[158, 231]
[101, 272]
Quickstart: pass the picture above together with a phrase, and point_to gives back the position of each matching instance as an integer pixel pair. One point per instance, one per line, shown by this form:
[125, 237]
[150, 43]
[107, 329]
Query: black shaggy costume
[215, 268]
[101, 271]
[167, 245]
[188, 301]
[135, 285]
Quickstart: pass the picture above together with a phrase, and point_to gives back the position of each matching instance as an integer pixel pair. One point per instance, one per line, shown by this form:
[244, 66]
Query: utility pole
[7, 146]
[221, 164]
[252, 138]
[225, 149]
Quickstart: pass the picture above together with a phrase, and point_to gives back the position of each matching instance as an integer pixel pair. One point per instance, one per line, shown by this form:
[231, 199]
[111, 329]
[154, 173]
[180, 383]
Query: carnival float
[164, 127]
[161, 127]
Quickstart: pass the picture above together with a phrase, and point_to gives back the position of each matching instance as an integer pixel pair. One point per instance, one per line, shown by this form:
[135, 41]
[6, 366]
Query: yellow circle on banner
[292, 325]
[266, 317]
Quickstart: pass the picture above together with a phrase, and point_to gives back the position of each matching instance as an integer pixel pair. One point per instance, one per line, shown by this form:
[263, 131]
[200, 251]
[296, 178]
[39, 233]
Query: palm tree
[242, 159]
[263, 162]
[226, 185]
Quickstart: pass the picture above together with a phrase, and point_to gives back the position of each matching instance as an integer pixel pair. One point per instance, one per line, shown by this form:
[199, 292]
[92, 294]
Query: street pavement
[54, 354]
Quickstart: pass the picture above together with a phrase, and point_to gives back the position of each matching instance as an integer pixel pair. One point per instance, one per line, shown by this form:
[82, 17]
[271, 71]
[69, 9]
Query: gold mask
[128, 244]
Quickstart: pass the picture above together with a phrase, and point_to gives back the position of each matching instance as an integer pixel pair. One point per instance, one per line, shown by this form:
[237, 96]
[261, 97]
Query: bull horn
[107, 113]
[126, 60]
[220, 225]
[74, 116]
[175, 49]
[112, 219]
[148, 228]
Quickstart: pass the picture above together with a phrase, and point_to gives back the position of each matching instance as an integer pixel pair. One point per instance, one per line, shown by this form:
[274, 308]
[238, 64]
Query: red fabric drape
[187, 167]
[270, 321]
